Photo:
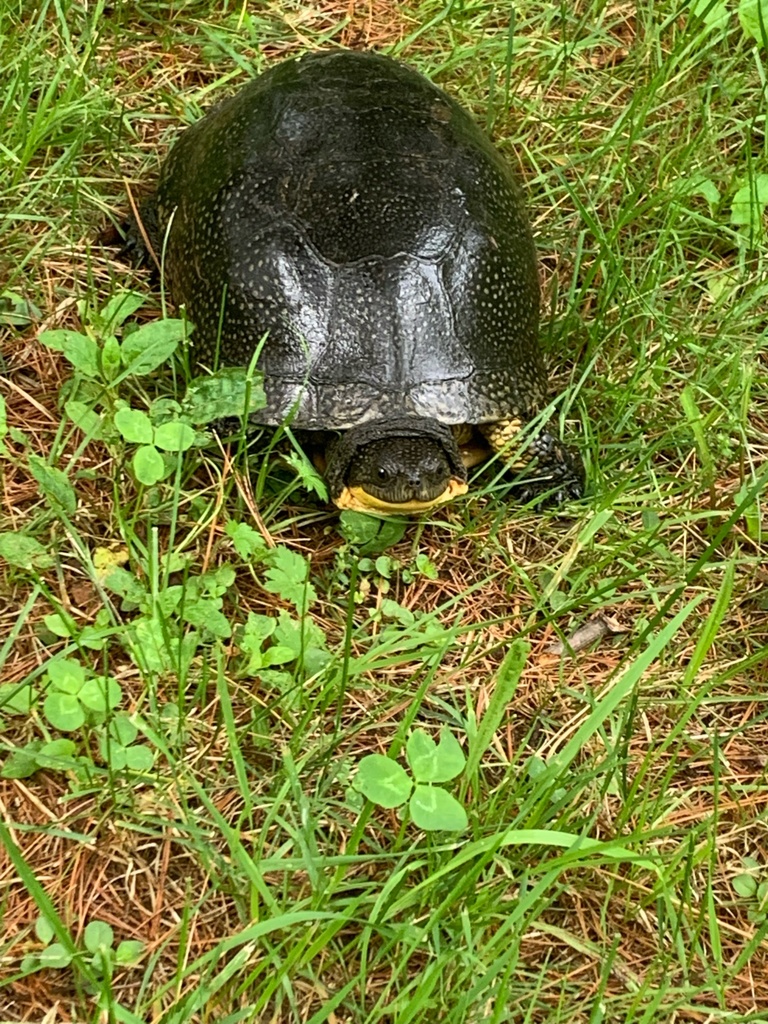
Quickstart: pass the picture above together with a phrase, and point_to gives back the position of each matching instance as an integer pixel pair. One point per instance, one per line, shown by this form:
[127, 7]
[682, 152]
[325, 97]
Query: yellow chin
[358, 500]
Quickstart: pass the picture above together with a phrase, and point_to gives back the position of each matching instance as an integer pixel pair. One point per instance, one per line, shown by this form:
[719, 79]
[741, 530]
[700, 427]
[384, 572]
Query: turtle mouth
[357, 499]
[403, 465]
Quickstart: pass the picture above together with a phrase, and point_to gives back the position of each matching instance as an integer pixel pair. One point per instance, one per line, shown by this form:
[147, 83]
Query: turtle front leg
[554, 465]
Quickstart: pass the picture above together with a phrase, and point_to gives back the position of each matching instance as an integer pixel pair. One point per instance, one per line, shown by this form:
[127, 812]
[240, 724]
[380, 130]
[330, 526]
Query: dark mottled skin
[348, 207]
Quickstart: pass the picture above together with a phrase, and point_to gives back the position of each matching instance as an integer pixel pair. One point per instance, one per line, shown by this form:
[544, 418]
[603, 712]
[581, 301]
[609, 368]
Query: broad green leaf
[54, 484]
[358, 528]
[384, 566]
[175, 436]
[58, 755]
[16, 699]
[148, 465]
[247, 541]
[207, 615]
[164, 409]
[434, 762]
[371, 534]
[305, 639]
[536, 767]
[394, 610]
[125, 584]
[750, 202]
[24, 552]
[744, 885]
[155, 649]
[278, 656]
[433, 808]
[64, 711]
[81, 351]
[98, 935]
[288, 575]
[220, 580]
[66, 674]
[59, 626]
[58, 748]
[753, 17]
[43, 930]
[177, 561]
[85, 418]
[152, 345]
[17, 311]
[114, 754]
[709, 190]
[170, 718]
[714, 13]
[95, 637]
[426, 566]
[134, 425]
[421, 752]
[101, 961]
[101, 694]
[314, 659]
[111, 358]
[139, 758]
[227, 393]
[54, 956]
[383, 781]
[129, 951]
[273, 679]
[255, 632]
[168, 600]
[122, 730]
[120, 307]
[21, 763]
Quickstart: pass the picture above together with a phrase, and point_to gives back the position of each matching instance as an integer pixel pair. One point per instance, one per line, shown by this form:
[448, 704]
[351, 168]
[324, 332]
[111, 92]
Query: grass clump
[197, 657]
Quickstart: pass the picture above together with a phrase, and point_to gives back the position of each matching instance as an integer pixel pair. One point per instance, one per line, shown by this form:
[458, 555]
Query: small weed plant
[71, 699]
[386, 783]
[98, 950]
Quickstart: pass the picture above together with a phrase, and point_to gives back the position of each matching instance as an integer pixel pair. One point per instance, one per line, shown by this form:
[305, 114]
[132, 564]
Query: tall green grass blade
[695, 422]
[233, 741]
[712, 623]
[507, 679]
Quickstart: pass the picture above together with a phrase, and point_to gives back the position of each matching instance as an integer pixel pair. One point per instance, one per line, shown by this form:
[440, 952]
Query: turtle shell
[348, 219]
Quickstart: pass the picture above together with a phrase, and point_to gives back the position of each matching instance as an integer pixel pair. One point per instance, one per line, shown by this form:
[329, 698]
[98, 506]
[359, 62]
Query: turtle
[347, 220]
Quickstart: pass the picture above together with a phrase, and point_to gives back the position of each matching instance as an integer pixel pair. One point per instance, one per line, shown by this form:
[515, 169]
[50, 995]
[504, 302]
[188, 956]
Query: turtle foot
[138, 235]
[559, 470]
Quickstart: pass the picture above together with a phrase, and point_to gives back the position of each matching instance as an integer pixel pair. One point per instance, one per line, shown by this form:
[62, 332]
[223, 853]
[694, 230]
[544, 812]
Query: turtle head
[398, 472]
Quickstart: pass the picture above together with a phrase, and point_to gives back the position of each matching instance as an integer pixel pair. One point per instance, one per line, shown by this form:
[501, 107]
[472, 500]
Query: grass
[615, 867]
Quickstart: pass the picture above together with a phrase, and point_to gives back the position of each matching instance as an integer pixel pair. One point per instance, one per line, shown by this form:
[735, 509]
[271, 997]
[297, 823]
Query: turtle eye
[382, 474]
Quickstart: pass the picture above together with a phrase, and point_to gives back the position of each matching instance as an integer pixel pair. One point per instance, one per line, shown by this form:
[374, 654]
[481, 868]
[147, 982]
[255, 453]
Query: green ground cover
[194, 666]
